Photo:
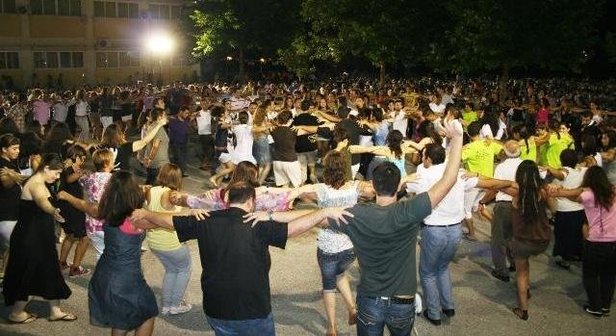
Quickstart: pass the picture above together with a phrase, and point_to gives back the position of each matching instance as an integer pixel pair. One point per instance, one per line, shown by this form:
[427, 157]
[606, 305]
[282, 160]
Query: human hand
[57, 217]
[139, 214]
[338, 215]
[199, 214]
[62, 195]
[451, 129]
[254, 218]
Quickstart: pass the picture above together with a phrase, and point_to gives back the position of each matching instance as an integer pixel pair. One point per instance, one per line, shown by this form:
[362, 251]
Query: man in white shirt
[440, 235]
[204, 130]
[502, 230]
[400, 119]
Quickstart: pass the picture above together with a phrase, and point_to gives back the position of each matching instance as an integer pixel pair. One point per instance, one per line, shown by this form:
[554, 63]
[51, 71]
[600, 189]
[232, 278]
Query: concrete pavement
[482, 302]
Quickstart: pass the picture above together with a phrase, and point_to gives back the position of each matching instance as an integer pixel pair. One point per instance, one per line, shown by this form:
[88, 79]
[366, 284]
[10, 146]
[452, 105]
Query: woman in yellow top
[528, 143]
[559, 140]
[165, 245]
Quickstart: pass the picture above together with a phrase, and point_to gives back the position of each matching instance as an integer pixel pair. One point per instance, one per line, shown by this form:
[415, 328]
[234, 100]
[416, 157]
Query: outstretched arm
[453, 131]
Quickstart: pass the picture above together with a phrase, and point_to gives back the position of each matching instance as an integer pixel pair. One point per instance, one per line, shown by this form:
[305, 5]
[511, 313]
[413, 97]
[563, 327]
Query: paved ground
[482, 302]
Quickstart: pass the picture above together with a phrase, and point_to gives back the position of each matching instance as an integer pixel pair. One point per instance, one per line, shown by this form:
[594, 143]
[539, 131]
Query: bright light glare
[160, 44]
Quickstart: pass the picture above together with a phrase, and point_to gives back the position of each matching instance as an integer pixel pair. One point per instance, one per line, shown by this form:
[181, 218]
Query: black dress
[33, 267]
[118, 296]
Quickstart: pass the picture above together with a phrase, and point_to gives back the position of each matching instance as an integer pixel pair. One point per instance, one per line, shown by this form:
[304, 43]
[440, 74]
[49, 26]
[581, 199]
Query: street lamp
[158, 45]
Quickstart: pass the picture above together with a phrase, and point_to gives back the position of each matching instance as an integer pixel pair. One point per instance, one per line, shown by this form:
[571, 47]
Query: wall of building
[91, 48]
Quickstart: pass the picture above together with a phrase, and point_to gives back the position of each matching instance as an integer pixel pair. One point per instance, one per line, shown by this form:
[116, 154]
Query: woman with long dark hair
[33, 268]
[598, 196]
[118, 296]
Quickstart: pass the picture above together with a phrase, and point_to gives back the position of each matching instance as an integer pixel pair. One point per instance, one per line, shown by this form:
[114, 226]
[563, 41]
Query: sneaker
[595, 314]
[449, 312]
[432, 321]
[181, 309]
[78, 271]
[165, 311]
[605, 311]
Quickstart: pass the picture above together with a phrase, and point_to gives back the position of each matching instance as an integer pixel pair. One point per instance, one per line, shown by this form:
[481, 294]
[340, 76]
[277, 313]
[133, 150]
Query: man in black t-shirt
[306, 145]
[235, 257]
[285, 162]
[10, 185]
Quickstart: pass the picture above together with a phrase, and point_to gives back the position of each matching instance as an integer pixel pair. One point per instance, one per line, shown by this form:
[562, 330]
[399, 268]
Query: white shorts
[471, 201]
[287, 172]
[98, 241]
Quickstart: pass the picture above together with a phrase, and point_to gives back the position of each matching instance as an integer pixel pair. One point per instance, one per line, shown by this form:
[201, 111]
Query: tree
[256, 27]
[502, 35]
[384, 32]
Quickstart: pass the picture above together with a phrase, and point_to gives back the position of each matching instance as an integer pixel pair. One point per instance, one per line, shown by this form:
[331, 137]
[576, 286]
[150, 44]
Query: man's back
[385, 240]
[235, 260]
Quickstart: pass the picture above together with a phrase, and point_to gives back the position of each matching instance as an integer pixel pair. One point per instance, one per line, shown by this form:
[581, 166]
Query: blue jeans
[373, 314]
[438, 247]
[333, 265]
[255, 327]
[177, 274]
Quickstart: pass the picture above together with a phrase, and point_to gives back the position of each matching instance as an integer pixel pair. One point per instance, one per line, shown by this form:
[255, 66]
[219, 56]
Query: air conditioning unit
[103, 43]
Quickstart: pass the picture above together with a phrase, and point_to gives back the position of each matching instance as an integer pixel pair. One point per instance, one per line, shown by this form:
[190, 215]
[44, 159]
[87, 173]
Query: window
[128, 10]
[113, 59]
[8, 7]
[107, 9]
[9, 60]
[56, 7]
[176, 12]
[54, 59]
[160, 11]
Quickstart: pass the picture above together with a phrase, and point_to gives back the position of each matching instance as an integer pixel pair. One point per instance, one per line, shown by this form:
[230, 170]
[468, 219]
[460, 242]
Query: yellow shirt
[161, 239]
[555, 146]
[469, 116]
[528, 152]
[478, 156]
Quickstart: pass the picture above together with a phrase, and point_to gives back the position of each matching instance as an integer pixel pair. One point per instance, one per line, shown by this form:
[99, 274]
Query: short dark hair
[386, 179]
[474, 128]
[435, 152]
[305, 104]
[7, 140]
[240, 192]
[568, 158]
[284, 117]
[243, 117]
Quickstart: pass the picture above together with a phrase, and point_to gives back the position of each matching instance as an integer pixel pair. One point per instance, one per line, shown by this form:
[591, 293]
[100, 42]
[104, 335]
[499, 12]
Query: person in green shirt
[469, 115]
[558, 141]
[478, 157]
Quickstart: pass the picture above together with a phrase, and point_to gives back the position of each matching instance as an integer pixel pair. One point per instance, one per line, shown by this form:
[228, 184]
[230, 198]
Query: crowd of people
[382, 169]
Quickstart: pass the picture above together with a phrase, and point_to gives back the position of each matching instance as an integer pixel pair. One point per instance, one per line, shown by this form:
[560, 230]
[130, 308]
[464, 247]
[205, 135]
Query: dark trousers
[599, 273]
[568, 238]
[207, 148]
[178, 156]
[502, 233]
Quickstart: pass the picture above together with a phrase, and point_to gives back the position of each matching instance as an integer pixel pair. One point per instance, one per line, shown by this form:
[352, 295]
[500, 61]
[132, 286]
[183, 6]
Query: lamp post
[159, 45]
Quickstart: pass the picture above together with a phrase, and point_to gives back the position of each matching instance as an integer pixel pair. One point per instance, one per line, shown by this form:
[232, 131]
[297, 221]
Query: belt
[439, 226]
[398, 300]
[503, 201]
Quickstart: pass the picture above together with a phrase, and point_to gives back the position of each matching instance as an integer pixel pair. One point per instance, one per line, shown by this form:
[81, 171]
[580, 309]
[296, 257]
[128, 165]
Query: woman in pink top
[41, 109]
[544, 112]
[598, 196]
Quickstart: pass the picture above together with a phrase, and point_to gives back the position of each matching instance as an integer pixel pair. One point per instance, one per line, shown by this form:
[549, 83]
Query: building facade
[64, 43]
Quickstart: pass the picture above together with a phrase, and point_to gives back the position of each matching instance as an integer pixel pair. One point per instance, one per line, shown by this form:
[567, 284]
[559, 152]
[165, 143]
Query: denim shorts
[333, 265]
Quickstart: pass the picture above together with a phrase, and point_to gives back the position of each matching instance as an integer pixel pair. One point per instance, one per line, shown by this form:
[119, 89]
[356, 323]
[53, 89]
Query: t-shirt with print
[385, 241]
[284, 144]
[306, 142]
[10, 196]
[235, 260]
[479, 156]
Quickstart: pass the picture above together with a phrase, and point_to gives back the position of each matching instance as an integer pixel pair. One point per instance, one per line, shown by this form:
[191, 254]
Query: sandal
[522, 314]
[67, 317]
[31, 318]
